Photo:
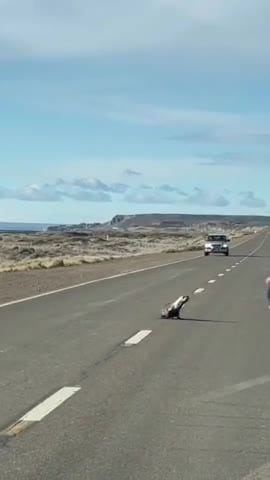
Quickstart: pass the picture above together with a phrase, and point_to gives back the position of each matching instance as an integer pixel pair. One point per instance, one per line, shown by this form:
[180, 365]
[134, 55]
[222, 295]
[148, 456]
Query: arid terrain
[31, 251]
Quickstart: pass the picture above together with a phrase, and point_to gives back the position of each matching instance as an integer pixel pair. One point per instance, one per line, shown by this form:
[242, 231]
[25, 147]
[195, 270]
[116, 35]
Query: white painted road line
[234, 266]
[211, 281]
[259, 247]
[111, 277]
[228, 269]
[50, 404]
[199, 290]
[40, 411]
[138, 337]
[221, 274]
[98, 280]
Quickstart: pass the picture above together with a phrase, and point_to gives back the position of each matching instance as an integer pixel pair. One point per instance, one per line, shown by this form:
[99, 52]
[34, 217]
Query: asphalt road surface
[184, 399]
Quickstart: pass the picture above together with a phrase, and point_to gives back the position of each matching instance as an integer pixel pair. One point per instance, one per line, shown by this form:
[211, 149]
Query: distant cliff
[164, 220]
[182, 220]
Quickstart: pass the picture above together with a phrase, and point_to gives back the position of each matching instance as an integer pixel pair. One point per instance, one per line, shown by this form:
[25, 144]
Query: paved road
[190, 401]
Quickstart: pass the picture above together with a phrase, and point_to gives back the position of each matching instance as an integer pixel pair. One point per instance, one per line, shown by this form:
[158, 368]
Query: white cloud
[202, 30]
[207, 198]
[250, 200]
[57, 192]
[36, 193]
[97, 185]
[152, 197]
[159, 194]
[171, 189]
[88, 196]
[95, 190]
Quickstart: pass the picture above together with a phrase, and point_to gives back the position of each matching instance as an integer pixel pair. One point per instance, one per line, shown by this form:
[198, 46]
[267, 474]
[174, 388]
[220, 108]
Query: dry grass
[22, 252]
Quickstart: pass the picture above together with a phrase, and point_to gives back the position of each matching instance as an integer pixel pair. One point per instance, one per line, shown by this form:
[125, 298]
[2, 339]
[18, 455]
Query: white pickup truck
[217, 243]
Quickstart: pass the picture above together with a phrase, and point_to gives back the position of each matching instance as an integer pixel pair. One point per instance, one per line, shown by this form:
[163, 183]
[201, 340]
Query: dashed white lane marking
[50, 404]
[238, 387]
[138, 337]
[199, 290]
[41, 411]
[221, 274]
[228, 269]
[112, 277]
[234, 266]
[261, 473]
[211, 281]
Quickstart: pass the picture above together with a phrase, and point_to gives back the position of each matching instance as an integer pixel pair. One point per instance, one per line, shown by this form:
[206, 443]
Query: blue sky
[130, 107]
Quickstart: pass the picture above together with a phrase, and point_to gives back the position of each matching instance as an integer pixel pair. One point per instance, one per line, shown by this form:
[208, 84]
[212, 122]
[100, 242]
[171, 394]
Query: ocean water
[23, 227]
